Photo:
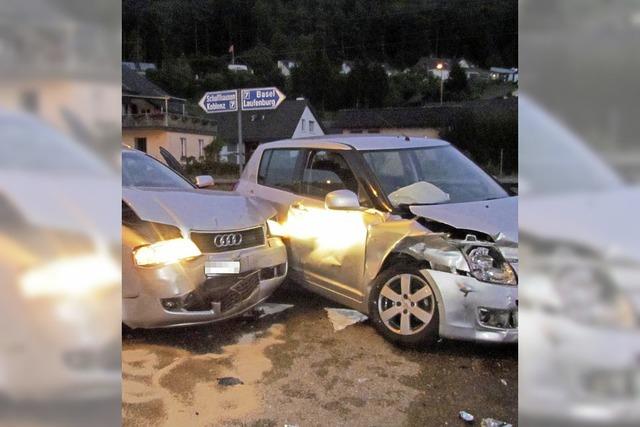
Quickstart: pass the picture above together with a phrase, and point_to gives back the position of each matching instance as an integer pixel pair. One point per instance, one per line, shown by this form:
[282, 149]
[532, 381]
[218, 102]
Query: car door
[277, 179]
[329, 245]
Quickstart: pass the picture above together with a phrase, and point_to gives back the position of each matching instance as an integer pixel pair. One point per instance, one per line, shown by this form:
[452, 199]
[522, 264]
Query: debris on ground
[270, 308]
[503, 381]
[490, 422]
[343, 317]
[465, 416]
[229, 381]
[253, 314]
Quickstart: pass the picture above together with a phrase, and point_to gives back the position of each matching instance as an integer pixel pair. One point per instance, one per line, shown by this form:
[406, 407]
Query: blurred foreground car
[58, 266]
[408, 231]
[191, 255]
[579, 288]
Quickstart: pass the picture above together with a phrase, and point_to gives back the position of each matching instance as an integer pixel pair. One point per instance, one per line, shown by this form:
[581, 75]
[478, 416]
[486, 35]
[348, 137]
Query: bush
[209, 166]
[485, 131]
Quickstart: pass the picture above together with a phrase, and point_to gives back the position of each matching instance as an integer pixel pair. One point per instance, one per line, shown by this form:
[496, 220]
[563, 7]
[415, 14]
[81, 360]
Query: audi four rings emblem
[226, 240]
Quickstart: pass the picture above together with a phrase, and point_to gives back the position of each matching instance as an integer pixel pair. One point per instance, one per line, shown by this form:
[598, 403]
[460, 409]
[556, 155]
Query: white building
[286, 66]
[292, 119]
[346, 67]
[504, 74]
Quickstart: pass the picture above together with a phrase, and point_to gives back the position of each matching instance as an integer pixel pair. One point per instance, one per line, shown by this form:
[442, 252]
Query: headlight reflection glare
[165, 252]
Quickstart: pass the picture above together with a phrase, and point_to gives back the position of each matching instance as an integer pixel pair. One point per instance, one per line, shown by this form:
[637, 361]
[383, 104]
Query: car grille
[206, 242]
[240, 291]
[228, 291]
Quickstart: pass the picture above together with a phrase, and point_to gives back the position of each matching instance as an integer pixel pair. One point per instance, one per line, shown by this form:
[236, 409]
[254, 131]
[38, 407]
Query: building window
[303, 125]
[183, 148]
[356, 130]
[201, 148]
[141, 144]
[311, 125]
[373, 131]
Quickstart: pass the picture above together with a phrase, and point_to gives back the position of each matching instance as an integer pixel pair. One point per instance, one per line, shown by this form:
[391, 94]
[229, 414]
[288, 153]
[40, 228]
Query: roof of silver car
[357, 142]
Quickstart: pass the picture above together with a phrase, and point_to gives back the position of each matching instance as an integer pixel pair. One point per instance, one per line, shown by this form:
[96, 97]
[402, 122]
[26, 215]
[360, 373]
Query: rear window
[277, 168]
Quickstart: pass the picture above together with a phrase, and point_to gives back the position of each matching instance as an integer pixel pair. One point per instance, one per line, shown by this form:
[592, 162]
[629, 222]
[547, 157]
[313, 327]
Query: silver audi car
[406, 230]
[191, 255]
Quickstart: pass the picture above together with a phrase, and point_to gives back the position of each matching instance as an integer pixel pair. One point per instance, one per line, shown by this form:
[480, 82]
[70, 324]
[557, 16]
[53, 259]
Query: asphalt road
[296, 370]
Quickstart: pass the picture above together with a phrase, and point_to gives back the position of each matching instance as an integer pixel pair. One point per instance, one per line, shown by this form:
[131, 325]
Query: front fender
[407, 237]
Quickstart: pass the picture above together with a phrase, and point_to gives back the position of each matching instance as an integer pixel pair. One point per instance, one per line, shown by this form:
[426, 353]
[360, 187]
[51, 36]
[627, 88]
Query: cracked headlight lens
[488, 265]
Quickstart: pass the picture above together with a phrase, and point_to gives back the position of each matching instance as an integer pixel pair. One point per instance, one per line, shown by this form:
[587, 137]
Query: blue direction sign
[219, 102]
[262, 98]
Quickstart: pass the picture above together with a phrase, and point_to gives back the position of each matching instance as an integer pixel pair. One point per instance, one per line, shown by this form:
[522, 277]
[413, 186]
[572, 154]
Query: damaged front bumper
[182, 294]
[474, 310]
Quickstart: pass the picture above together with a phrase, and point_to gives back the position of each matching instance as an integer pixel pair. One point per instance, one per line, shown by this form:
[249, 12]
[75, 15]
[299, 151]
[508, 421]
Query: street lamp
[440, 67]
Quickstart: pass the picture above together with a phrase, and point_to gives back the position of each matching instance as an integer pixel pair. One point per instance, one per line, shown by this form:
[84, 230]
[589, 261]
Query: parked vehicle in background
[190, 255]
[406, 230]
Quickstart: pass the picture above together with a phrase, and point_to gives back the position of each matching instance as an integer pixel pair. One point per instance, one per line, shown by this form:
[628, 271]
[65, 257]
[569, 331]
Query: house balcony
[170, 122]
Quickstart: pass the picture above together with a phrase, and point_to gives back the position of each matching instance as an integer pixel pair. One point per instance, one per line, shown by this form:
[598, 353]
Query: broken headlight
[488, 265]
[274, 228]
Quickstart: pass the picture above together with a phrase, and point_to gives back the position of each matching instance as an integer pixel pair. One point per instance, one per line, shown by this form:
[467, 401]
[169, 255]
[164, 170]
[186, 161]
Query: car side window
[327, 171]
[278, 167]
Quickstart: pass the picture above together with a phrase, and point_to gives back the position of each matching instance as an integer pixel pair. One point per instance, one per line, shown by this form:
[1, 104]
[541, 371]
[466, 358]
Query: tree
[457, 86]
[175, 77]
[315, 78]
[367, 85]
[264, 66]
[377, 85]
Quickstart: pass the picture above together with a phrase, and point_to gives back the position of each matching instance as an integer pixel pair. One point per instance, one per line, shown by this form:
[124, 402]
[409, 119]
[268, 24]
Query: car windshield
[431, 175]
[140, 170]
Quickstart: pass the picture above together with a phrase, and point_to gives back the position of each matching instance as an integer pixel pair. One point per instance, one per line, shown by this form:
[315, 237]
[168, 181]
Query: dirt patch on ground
[297, 370]
[168, 386]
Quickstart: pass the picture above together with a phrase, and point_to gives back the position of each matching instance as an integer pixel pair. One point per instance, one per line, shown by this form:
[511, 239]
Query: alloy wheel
[406, 304]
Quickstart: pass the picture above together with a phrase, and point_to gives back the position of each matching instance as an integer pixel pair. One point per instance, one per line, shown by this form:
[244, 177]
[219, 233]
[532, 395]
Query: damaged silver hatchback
[190, 255]
[406, 230]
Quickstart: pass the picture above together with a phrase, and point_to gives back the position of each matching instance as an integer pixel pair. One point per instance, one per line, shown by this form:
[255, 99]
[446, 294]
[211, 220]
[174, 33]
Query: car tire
[399, 311]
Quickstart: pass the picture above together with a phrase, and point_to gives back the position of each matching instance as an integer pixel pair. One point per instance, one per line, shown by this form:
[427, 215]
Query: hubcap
[406, 304]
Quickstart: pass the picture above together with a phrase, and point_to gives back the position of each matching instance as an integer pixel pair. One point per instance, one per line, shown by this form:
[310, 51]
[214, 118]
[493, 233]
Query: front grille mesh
[250, 238]
[240, 291]
[228, 290]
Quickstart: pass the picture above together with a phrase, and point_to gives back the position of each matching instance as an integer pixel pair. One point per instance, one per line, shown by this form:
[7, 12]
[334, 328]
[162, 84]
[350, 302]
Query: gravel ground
[296, 370]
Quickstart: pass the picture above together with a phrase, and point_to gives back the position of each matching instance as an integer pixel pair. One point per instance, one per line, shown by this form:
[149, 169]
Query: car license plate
[221, 267]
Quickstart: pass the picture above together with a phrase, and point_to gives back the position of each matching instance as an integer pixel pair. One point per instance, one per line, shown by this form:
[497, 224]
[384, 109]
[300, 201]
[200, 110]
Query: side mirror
[204, 181]
[342, 200]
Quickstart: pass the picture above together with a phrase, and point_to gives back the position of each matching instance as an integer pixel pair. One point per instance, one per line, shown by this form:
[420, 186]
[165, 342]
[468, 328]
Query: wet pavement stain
[297, 370]
[181, 388]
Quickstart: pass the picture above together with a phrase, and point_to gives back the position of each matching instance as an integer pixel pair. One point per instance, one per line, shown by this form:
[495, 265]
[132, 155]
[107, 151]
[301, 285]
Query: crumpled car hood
[492, 217]
[197, 209]
[605, 221]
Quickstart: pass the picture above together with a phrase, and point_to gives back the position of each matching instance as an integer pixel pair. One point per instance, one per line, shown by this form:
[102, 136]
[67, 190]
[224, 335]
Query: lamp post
[440, 67]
